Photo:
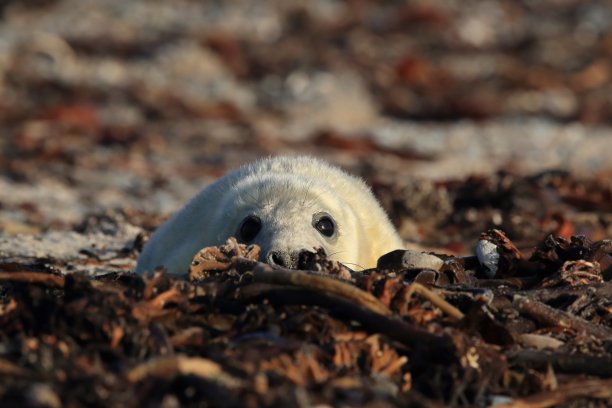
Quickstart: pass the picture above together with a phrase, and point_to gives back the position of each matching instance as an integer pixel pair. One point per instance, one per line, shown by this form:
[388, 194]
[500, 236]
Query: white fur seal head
[286, 205]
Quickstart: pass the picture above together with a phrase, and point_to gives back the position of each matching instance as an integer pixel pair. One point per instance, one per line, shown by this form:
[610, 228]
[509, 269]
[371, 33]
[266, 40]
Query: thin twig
[601, 389]
[547, 294]
[149, 309]
[171, 366]
[33, 277]
[436, 299]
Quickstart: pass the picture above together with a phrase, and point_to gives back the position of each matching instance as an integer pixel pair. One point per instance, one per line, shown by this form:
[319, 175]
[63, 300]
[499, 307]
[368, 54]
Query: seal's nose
[301, 259]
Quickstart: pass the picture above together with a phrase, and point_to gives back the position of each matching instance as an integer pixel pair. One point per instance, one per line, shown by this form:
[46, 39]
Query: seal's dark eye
[250, 228]
[325, 225]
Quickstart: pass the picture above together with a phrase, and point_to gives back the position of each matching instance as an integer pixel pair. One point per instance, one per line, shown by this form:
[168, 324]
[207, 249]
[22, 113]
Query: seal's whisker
[252, 199]
[305, 196]
[351, 263]
[335, 253]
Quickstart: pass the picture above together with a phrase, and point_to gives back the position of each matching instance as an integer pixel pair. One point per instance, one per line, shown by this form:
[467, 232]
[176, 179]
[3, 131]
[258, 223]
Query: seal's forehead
[290, 191]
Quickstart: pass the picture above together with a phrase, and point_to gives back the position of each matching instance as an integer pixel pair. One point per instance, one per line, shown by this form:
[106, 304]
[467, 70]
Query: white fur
[284, 192]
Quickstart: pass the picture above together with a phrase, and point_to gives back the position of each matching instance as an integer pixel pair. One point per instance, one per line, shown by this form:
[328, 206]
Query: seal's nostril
[274, 258]
[307, 261]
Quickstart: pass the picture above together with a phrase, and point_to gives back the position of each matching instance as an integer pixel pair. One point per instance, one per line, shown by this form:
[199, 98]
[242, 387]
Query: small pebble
[539, 341]
[486, 252]
[409, 260]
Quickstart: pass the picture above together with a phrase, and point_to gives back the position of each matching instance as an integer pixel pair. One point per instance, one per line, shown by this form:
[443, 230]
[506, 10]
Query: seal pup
[286, 205]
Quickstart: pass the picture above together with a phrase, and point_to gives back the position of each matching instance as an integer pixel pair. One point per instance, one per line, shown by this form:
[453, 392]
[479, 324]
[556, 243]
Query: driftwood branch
[567, 363]
[340, 298]
[264, 273]
[558, 318]
[347, 310]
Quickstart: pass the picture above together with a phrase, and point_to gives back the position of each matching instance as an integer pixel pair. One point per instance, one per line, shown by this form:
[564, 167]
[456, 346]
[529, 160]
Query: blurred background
[130, 107]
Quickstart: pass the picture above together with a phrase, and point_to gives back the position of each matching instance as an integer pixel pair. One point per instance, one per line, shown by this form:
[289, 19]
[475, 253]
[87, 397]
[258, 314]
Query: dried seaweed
[242, 332]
